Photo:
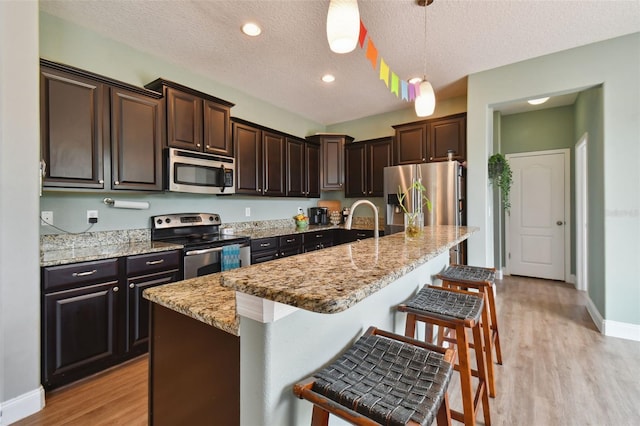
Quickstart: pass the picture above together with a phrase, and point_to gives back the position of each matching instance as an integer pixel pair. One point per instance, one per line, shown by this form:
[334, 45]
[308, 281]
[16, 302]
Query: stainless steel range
[203, 242]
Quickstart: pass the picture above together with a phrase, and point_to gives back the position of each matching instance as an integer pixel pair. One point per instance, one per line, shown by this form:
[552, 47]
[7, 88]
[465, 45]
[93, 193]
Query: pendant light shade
[343, 25]
[426, 100]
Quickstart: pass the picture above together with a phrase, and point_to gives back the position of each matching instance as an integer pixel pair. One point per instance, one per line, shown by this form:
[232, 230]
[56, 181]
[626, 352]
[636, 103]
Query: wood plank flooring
[558, 370]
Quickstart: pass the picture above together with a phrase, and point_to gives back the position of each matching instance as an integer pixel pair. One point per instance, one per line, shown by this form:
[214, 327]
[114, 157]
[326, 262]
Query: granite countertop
[200, 298]
[325, 281]
[278, 232]
[68, 255]
[336, 278]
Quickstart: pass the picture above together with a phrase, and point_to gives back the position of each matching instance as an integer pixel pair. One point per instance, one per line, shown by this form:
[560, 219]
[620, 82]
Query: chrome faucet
[347, 224]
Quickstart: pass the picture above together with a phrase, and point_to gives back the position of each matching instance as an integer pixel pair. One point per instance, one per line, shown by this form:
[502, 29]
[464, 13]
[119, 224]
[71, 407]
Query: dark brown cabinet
[273, 157]
[331, 160]
[271, 248]
[93, 313]
[195, 120]
[317, 240]
[431, 140]
[98, 133]
[303, 168]
[364, 165]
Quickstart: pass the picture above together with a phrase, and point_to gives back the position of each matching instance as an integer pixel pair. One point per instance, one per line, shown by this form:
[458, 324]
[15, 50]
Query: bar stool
[457, 310]
[483, 280]
[385, 379]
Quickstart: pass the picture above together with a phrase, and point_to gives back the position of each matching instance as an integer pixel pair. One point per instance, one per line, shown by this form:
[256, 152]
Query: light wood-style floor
[558, 370]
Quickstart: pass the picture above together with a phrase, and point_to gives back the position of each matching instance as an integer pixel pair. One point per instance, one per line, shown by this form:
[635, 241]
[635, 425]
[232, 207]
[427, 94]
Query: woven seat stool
[460, 311]
[384, 379]
[483, 280]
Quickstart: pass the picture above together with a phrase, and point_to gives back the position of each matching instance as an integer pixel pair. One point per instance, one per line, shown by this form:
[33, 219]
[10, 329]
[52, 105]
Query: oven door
[209, 261]
[199, 173]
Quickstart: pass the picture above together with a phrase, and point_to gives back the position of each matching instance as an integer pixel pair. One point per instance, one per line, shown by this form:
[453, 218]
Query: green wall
[589, 115]
[542, 130]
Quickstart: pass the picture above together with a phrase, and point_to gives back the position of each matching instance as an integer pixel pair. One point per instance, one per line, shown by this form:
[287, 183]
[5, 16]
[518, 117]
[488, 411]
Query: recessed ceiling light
[538, 101]
[328, 78]
[251, 29]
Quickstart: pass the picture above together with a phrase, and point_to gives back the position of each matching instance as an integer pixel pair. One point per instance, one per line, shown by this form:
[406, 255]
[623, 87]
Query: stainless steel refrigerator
[444, 183]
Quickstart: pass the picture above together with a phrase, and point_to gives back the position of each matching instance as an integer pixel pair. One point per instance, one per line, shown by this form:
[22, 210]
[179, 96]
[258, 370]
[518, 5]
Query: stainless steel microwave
[196, 172]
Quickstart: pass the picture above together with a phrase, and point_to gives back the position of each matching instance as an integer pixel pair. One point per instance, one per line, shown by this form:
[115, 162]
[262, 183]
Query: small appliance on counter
[318, 216]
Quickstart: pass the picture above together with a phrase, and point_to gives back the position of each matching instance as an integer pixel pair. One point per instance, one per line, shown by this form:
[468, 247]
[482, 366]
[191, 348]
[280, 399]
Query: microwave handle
[224, 171]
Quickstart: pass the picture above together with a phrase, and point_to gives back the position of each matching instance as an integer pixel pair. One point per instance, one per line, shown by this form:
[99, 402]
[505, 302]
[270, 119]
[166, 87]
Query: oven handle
[202, 251]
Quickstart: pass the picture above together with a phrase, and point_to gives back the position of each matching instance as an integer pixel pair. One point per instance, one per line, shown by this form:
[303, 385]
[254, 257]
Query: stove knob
[210, 218]
[159, 221]
[167, 220]
[217, 218]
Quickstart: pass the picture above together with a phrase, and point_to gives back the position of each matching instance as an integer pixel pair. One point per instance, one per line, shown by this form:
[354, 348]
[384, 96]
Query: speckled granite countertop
[82, 254]
[334, 279]
[277, 232]
[200, 298]
[324, 281]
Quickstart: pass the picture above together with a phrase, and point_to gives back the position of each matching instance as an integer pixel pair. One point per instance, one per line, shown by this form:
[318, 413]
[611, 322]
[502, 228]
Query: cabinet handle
[116, 183]
[155, 262]
[84, 274]
[198, 145]
[318, 235]
[265, 244]
[291, 240]
[132, 285]
[424, 159]
[430, 158]
[101, 181]
[207, 146]
[115, 289]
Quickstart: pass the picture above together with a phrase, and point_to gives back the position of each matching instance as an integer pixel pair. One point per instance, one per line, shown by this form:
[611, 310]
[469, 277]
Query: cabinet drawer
[69, 276]
[146, 263]
[264, 244]
[290, 240]
[318, 237]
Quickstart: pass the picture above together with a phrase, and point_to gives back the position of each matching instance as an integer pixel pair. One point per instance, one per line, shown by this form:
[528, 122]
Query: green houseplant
[414, 221]
[500, 176]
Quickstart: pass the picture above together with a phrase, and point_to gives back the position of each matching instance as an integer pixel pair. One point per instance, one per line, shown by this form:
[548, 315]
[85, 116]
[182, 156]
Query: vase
[413, 224]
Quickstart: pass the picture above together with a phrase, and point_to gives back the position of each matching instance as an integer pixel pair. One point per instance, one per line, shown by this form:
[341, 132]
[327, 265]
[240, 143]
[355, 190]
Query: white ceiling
[284, 65]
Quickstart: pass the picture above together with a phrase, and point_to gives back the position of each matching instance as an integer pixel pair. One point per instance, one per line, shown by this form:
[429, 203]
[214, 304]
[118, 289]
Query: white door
[535, 227]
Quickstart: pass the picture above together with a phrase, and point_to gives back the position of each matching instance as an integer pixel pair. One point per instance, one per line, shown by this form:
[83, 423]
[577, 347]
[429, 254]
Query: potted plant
[414, 220]
[500, 176]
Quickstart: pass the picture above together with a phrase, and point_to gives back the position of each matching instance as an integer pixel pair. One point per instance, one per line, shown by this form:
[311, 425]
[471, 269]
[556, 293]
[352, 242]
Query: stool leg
[486, 329]
[482, 374]
[410, 326]
[464, 368]
[494, 325]
[319, 417]
[443, 417]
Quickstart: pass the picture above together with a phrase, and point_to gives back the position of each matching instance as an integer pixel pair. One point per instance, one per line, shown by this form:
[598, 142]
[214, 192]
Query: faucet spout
[349, 221]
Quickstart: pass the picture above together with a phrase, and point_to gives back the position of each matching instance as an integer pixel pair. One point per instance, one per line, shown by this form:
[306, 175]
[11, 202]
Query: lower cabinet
[89, 321]
[271, 248]
[318, 240]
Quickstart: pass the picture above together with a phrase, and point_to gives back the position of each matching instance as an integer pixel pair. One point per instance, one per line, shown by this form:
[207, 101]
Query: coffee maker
[318, 216]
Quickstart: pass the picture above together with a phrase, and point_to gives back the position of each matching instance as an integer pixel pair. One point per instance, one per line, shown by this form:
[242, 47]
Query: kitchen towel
[230, 257]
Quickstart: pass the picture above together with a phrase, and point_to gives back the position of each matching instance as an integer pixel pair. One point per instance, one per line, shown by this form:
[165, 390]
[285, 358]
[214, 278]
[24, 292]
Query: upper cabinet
[331, 160]
[364, 166]
[97, 133]
[303, 168]
[195, 121]
[431, 140]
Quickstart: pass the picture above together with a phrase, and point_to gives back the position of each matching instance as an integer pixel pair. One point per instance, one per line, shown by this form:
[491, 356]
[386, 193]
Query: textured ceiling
[284, 65]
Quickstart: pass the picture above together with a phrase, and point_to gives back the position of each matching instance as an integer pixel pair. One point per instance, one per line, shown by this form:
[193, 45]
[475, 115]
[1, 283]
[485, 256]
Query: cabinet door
[355, 170]
[312, 163]
[248, 144]
[136, 141]
[379, 156]
[296, 170]
[332, 162]
[411, 144]
[217, 134]
[448, 135]
[71, 117]
[138, 308]
[184, 120]
[273, 150]
[79, 332]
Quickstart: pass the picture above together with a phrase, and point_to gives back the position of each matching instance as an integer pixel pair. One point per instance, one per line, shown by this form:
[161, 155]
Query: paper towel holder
[126, 204]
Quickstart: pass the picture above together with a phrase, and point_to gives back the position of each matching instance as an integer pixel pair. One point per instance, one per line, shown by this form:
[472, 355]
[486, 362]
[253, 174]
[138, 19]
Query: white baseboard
[571, 279]
[622, 330]
[611, 328]
[499, 274]
[21, 406]
[595, 315]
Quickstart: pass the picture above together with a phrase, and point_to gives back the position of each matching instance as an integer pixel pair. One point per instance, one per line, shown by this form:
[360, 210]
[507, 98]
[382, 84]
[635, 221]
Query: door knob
[559, 223]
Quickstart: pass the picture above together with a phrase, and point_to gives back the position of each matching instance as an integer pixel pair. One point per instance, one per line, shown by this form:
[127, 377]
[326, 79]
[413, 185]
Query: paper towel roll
[126, 204]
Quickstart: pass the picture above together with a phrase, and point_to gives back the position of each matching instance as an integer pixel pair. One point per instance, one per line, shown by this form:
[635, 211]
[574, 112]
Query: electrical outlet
[46, 216]
[92, 216]
[247, 211]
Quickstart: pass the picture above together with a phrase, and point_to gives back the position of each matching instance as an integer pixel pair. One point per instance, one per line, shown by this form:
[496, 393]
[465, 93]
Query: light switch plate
[48, 216]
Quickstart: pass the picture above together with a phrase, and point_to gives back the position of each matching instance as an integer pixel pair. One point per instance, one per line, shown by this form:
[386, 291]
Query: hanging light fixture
[343, 25]
[425, 102]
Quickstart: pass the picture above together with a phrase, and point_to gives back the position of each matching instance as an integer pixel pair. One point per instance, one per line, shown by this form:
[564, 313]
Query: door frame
[567, 210]
[582, 213]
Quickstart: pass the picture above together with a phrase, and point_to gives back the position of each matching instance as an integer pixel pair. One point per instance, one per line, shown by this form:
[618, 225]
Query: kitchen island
[292, 316]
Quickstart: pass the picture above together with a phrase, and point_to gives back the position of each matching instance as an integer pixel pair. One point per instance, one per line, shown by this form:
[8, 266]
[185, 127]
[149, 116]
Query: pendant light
[425, 102]
[343, 25]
